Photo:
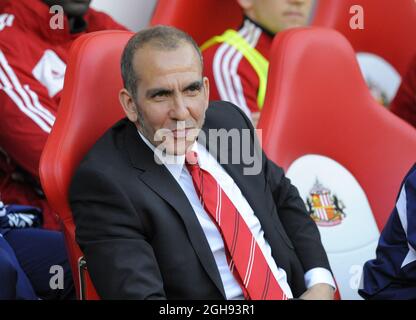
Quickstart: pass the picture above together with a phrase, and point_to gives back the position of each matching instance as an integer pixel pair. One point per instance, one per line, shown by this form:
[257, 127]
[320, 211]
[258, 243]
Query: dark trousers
[26, 258]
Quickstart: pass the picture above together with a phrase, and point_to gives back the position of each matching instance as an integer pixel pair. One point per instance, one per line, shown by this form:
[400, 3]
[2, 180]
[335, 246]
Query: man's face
[74, 8]
[278, 15]
[172, 96]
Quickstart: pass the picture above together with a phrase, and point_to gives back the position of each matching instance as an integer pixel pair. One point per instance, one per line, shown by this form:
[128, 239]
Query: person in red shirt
[34, 51]
[404, 104]
[232, 76]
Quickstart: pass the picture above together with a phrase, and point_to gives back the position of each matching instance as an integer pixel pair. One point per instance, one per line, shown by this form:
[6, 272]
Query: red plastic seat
[89, 106]
[317, 105]
[202, 19]
[384, 46]
[389, 27]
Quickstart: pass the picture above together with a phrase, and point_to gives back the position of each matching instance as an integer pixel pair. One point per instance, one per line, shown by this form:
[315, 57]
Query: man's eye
[194, 89]
[160, 94]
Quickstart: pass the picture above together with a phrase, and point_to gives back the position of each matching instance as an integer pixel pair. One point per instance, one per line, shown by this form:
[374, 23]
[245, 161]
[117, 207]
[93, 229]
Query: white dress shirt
[175, 165]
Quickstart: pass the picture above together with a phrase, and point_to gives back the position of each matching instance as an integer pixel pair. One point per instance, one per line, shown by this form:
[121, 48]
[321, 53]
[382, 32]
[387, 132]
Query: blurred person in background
[35, 39]
[404, 104]
[236, 62]
[33, 261]
[392, 274]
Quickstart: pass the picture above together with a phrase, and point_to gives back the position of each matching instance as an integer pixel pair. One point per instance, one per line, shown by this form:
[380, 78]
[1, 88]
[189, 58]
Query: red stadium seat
[89, 106]
[321, 124]
[389, 27]
[385, 44]
[202, 19]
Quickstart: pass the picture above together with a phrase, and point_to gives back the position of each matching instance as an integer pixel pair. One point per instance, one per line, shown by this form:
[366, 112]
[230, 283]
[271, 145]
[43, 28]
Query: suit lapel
[158, 178]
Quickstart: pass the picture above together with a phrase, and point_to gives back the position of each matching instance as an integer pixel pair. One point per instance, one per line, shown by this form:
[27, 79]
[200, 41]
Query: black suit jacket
[141, 237]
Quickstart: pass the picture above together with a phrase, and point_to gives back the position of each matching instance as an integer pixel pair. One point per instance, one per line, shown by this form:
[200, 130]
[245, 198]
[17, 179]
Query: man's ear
[205, 83]
[127, 102]
[245, 4]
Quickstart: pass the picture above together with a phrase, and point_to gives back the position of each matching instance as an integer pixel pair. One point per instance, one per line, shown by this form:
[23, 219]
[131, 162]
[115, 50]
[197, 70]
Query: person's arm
[391, 275]
[404, 104]
[28, 112]
[236, 83]
[120, 260]
[249, 91]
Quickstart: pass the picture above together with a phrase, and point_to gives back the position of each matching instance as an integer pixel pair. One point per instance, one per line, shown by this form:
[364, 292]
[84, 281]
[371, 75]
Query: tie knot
[191, 158]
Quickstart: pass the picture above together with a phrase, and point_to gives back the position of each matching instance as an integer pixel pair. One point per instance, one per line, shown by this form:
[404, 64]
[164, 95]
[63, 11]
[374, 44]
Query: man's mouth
[181, 133]
[293, 14]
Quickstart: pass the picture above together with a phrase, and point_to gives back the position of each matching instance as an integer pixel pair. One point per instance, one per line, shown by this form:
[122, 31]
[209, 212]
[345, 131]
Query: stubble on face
[179, 77]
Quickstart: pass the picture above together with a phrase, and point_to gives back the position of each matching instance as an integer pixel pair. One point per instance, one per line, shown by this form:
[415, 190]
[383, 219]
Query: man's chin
[179, 148]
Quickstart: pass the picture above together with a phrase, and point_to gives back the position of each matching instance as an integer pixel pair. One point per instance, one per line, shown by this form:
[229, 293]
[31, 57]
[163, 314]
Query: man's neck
[268, 32]
[76, 24]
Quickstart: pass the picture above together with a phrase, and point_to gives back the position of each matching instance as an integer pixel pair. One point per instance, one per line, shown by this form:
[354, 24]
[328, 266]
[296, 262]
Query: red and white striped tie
[253, 271]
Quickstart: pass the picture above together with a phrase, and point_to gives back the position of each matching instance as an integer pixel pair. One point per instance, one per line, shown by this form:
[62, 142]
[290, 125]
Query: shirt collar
[173, 163]
[266, 31]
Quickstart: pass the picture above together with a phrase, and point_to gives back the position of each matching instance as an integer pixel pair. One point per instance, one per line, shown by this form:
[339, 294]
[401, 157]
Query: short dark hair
[160, 37]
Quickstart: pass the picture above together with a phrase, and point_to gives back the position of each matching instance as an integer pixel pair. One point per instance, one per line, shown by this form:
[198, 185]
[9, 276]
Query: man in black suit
[139, 217]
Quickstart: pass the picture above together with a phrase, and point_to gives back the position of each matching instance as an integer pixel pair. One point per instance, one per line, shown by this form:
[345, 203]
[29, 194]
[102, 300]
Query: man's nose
[179, 110]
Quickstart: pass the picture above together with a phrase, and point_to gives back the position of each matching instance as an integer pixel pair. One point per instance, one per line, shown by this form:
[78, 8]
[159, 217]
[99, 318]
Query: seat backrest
[346, 155]
[389, 27]
[202, 19]
[386, 43]
[89, 106]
